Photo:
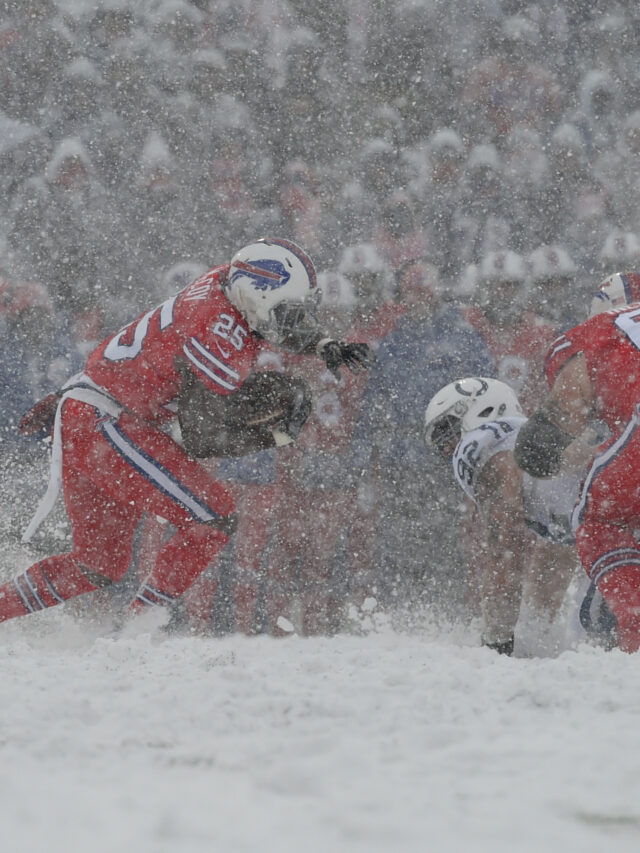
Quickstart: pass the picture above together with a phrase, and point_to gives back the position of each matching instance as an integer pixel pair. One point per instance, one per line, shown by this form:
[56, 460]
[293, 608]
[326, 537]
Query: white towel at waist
[81, 388]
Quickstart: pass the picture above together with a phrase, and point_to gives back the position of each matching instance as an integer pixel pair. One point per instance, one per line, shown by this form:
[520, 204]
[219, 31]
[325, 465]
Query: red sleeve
[558, 354]
[214, 339]
[590, 337]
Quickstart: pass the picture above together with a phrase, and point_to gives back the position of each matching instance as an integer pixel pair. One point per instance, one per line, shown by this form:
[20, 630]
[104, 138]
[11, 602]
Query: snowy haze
[390, 741]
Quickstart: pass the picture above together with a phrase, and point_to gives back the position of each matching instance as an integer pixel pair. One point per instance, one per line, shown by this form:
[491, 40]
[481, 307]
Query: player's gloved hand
[502, 647]
[356, 356]
[298, 403]
[40, 417]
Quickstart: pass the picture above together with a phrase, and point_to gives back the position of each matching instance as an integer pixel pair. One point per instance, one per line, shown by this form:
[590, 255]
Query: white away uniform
[548, 504]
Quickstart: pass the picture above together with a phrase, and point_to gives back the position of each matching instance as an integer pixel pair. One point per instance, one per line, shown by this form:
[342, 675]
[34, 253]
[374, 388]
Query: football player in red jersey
[186, 361]
[594, 373]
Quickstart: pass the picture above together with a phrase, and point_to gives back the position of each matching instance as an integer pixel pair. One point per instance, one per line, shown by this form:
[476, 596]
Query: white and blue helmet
[466, 404]
[273, 284]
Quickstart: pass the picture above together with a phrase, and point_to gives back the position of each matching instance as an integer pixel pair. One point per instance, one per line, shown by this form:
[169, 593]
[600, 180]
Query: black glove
[298, 404]
[355, 356]
[504, 647]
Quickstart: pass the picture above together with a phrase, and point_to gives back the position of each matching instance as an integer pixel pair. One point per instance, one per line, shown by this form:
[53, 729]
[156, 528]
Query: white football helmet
[619, 289]
[273, 284]
[621, 249]
[466, 404]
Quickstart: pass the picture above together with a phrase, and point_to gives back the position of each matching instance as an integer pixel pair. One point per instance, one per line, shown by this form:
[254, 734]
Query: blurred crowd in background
[463, 174]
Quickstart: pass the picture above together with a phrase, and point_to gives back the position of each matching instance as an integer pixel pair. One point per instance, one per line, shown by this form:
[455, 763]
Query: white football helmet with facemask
[618, 289]
[466, 404]
[273, 284]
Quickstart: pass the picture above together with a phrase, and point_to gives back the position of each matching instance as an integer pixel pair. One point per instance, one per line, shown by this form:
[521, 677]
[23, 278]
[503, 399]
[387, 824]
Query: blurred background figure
[552, 278]
[509, 86]
[621, 250]
[35, 359]
[431, 344]
[516, 336]
[482, 217]
[309, 567]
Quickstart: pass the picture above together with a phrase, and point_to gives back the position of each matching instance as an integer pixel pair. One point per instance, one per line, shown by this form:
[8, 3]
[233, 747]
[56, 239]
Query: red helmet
[619, 289]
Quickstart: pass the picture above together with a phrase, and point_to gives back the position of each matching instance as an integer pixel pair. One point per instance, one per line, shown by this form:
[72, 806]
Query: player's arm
[560, 420]
[301, 333]
[267, 411]
[499, 496]
[335, 354]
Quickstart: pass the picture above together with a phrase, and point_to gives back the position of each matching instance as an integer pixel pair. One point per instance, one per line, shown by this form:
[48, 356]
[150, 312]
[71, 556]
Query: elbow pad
[539, 446]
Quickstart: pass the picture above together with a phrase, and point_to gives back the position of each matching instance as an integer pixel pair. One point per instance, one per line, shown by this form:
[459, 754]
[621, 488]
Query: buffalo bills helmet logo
[266, 274]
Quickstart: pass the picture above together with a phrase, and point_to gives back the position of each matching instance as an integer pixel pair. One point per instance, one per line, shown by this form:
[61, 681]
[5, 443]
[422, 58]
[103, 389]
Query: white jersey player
[520, 534]
[548, 504]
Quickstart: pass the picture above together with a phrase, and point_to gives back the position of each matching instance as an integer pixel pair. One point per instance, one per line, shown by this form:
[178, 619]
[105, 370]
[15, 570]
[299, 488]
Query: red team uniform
[120, 461]
[114, 449]
[607, 514]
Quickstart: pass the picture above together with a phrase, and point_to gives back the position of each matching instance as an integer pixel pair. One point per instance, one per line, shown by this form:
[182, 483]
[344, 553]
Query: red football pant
[609, 510]
[254, 508]
[114, 471]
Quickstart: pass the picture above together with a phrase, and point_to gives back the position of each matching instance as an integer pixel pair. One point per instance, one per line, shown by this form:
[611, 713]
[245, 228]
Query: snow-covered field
[391, 741]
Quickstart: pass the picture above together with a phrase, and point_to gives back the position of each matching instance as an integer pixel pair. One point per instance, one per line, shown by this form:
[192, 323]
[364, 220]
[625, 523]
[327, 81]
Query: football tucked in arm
[269, 410]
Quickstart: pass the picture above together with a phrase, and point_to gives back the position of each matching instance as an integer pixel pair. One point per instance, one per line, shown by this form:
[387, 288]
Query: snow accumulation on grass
[389, 741]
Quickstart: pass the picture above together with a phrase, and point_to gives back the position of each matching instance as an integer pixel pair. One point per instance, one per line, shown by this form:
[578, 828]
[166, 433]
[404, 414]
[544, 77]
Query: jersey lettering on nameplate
[477, 447]
[197, 327]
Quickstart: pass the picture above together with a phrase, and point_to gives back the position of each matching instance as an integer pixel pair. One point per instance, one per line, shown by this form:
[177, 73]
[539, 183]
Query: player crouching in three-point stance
[594, 372]
[188, 360]
[521, 538]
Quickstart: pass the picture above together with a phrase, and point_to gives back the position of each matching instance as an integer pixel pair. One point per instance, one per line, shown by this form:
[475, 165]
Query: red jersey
[611, 346]
[199, 325]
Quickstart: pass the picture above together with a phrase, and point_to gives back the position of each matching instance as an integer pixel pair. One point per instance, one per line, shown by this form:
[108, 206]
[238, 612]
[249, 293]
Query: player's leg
[549, 571]
[317, 595]
[608, 511]
[155, 475]
[611, 558]
[255, 520]
[102, 534]
[363, 544]
[289, 550]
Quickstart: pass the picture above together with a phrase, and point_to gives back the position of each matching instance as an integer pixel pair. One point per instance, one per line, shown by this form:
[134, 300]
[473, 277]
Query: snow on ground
[392, 741]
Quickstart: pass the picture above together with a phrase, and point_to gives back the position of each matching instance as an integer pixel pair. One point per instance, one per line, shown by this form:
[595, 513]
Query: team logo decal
[266, 274]
[483, 387]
